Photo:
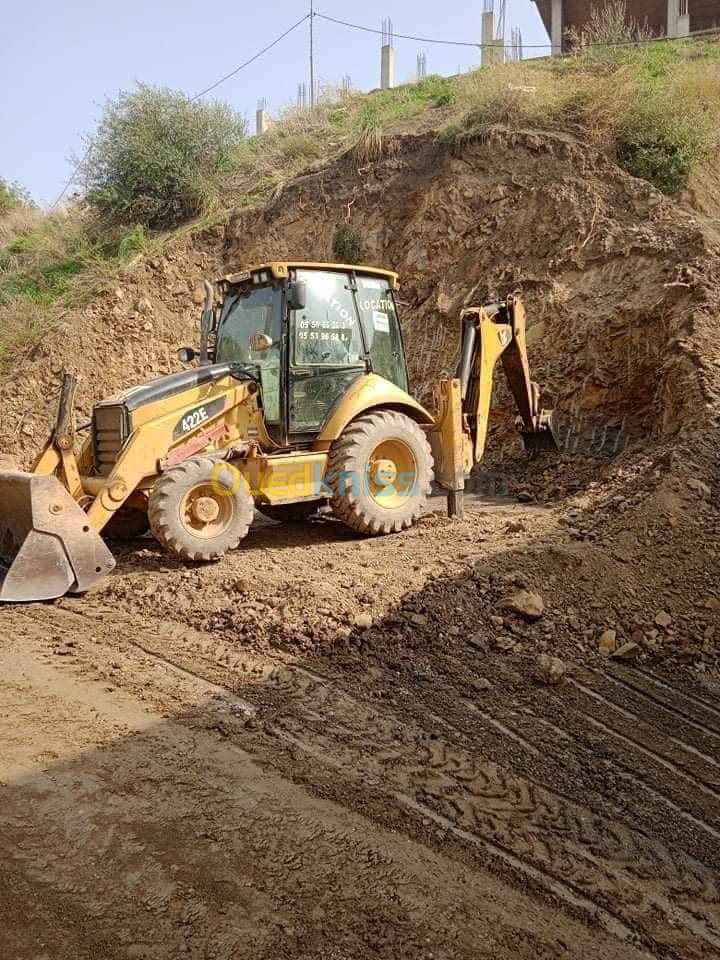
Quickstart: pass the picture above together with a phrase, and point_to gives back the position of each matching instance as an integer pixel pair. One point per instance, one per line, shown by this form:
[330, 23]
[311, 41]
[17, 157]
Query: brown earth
[327, 747]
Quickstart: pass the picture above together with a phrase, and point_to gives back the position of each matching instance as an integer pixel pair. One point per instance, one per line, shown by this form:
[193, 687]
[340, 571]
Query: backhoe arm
[458, 438]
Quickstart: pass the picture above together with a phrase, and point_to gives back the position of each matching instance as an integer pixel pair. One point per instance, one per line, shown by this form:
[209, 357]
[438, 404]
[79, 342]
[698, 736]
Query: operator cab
[306, 332]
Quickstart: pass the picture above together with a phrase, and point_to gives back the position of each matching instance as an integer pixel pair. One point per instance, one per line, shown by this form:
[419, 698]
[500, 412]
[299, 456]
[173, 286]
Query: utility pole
[312, 62]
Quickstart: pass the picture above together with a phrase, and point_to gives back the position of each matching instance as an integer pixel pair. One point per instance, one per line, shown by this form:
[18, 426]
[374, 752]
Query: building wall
[652, 12]
[704, 14]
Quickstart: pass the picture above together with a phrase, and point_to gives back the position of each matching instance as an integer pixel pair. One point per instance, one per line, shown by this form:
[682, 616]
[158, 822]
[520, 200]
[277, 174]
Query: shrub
[608, 24]
[157, 157]
[347, 244]
[12, 195]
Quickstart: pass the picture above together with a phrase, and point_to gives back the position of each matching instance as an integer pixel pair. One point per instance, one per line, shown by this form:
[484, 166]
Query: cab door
[326, 350]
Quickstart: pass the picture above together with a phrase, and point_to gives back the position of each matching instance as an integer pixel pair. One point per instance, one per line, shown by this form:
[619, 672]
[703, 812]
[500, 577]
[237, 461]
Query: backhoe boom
[491, 332]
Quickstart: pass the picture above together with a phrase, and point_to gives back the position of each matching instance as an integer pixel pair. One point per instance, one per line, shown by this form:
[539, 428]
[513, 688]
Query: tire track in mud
[400, 895]
[649, 687]
[566, 843]
[672, 757]
[644, 761]
[561, 757]
[631, 882]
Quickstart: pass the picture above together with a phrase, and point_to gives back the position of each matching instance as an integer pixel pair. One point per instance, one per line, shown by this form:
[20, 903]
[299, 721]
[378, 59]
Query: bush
[157, 157]
[12, 196]
[347, 244]
[663, 162]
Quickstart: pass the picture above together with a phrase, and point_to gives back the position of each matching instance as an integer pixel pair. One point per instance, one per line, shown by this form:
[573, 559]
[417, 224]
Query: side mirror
[297, 295]
[186, 354]
[260, 341]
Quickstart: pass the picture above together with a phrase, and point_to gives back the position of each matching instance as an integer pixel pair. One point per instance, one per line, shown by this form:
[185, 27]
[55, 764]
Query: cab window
[327, 352]
[382, 329]
[326, 333]
[256, 310]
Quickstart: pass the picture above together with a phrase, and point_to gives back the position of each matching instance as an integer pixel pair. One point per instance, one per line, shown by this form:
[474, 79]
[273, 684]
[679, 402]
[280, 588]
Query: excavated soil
[325, 747]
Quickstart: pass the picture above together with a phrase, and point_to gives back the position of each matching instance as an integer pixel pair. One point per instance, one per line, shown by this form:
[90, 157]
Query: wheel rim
[392, 473]
[204, 513]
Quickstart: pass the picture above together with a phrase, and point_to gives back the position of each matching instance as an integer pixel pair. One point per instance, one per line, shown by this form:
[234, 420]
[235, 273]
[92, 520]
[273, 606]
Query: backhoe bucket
[544, 438]
[47, 546]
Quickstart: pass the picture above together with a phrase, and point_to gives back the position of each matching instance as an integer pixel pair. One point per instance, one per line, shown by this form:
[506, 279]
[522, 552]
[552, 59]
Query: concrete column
[387, 67]
[556, 28]
[262, 121]
[487, 38]
[678, 18]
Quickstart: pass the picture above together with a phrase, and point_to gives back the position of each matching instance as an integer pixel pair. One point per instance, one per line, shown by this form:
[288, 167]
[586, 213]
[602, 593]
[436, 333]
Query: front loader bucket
[47, 546]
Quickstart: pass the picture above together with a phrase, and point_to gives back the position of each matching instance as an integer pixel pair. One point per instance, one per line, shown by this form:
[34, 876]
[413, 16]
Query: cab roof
[281, 268]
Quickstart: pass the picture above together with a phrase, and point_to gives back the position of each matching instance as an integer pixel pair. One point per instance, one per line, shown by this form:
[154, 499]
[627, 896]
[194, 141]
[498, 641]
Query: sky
[61, 60]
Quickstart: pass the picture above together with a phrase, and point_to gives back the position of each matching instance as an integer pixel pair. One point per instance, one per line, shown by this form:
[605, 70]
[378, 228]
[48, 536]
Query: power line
[402, 36]
[251, 60]
[197, 96]
[526, 46]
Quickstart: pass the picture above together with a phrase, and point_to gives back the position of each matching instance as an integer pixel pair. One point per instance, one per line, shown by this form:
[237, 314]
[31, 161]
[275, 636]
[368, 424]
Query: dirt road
[236, 762]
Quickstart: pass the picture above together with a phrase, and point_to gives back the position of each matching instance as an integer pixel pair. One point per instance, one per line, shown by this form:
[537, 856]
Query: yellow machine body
[52, 517]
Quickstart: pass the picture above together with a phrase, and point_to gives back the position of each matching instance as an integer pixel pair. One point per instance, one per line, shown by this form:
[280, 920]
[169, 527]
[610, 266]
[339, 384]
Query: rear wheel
[289, 512]
[380, 471]
[197, 517]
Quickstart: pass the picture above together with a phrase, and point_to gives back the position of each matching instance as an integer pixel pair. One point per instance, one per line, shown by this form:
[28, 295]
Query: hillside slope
[619, 282]
[623, 294]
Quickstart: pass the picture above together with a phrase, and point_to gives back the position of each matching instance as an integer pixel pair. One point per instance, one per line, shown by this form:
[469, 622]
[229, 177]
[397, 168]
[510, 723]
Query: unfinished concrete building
[671, 18]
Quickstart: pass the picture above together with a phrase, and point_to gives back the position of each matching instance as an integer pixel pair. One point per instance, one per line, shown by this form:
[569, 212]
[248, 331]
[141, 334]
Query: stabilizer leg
[456, 503]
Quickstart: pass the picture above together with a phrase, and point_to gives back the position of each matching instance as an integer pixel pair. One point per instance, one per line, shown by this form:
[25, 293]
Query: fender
[368, 392]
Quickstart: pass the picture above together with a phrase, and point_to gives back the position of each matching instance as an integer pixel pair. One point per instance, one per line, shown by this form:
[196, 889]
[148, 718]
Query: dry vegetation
[655, 107]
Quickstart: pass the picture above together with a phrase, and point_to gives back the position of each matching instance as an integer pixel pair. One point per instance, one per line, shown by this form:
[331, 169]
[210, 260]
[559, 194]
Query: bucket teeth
[47, 546]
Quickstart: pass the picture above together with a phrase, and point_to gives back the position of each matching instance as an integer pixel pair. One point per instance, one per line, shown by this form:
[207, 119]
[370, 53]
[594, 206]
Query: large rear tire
[380, 472]
[196, 517]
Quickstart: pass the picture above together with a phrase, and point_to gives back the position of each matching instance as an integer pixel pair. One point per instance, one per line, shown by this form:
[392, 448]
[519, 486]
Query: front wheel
[380, 472]
[196, 515]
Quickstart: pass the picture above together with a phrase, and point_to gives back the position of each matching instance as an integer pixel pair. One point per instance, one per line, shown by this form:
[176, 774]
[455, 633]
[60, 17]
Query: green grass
[52, 262]
[656, 107]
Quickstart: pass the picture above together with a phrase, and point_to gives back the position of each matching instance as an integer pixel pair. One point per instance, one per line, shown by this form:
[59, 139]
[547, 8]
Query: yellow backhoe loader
[299, 399]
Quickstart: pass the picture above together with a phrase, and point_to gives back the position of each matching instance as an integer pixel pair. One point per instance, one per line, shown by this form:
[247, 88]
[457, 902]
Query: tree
[157, 157]
[12, 195]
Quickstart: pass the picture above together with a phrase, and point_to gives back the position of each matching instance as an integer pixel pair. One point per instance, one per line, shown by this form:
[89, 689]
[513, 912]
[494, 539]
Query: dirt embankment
[620, 283]
[622, 288]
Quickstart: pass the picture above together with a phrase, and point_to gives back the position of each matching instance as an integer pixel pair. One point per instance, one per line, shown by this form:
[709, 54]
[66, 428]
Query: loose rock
[525, 604]
[628, 651]
[551, 670]
[607, 643]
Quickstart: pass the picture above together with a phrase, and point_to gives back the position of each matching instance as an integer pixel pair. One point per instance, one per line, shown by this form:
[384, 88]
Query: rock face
[525, 604]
